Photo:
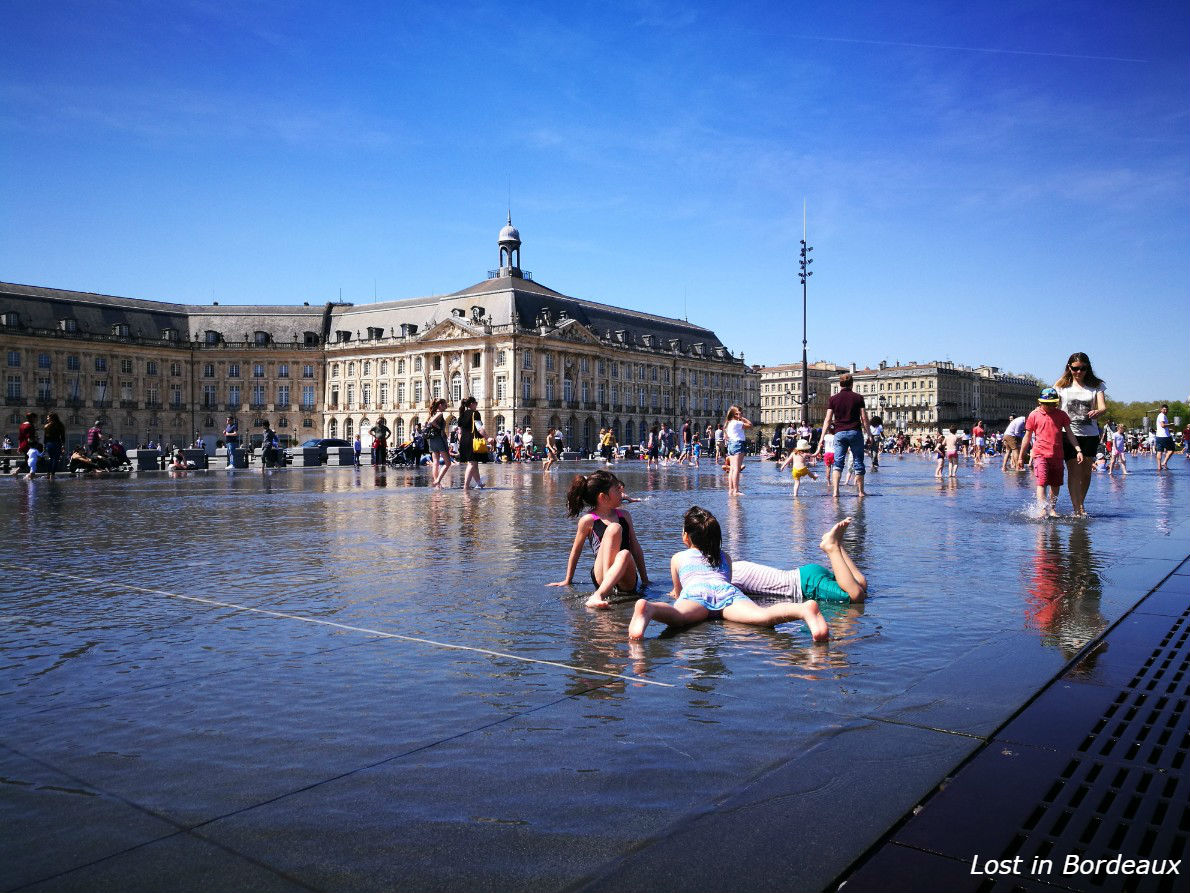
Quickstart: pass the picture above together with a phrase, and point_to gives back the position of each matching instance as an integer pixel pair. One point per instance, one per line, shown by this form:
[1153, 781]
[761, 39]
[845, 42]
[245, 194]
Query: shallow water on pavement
[391, 622]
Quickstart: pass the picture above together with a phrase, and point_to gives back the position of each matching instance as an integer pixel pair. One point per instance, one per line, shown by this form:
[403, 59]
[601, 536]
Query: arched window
[399, 430]
[348, 429]
[332, 428]
[629, 429]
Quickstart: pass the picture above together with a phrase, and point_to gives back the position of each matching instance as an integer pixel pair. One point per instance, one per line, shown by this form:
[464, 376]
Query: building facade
[532, 356]
[781, 393]
[923, 398]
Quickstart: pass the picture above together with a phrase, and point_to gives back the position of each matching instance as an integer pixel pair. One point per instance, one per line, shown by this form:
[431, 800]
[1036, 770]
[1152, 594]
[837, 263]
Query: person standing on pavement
[231, 439]
[380, 434]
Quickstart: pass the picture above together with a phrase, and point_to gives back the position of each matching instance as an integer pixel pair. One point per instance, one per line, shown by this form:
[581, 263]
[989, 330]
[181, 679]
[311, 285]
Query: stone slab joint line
[343, 626]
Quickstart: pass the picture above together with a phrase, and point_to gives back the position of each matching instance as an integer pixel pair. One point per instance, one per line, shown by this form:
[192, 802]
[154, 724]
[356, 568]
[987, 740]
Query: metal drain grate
[1125, 789]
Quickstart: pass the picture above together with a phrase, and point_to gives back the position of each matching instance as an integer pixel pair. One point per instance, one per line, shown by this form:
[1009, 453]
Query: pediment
[451, 329]
[573, 330]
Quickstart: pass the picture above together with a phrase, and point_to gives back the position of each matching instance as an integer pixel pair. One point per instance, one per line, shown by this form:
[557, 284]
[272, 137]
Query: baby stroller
[404, 454]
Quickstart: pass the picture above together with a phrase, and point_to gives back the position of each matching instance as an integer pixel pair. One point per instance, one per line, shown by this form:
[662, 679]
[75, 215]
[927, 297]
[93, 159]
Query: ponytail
[705, 534]
[586, 489]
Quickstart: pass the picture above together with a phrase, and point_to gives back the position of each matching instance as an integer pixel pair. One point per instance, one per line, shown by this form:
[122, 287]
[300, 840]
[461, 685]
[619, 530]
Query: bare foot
[641, 615]
[833, 538]
[598, 601]
[816, 622]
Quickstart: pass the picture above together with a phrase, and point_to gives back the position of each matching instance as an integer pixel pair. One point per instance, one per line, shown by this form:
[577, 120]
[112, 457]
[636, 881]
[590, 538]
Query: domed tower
[510, 250]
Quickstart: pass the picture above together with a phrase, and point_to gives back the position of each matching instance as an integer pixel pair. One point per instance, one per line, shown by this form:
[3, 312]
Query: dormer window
[11, 319]
[210, 336]
[120, 330]
[169, 334]
[375, 332]
[261, 338]
[69, 326]
[458, 313]
[477, 313]
[310, 339]
[342, 336]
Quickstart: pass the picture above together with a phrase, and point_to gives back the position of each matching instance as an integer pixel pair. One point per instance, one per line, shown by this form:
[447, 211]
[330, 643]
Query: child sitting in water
[701, 588]
[608, 529]
[800, 469]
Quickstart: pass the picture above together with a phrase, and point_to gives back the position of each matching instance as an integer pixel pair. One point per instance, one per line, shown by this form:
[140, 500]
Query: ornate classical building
[781, 393]
[532, 356]
[921, 398]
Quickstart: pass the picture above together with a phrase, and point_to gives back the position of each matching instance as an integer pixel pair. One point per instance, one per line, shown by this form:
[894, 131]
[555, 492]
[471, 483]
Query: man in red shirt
[1045, 427]
[850, 419]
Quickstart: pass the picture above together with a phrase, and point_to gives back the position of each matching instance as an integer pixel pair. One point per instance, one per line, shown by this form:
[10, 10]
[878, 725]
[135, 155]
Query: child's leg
[847, 575]
[614, 566]
[747, 611]
[683, 612]
[797, 485]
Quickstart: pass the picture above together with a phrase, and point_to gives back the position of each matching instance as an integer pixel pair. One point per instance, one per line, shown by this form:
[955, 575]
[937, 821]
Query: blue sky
[1000, 183]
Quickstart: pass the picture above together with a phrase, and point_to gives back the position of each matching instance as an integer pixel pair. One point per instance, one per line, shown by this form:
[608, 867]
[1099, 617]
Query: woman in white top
[734, 427]
[1084, 399]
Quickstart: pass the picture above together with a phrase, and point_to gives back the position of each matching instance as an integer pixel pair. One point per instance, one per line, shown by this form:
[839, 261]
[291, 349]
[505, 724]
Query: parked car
[321, 443]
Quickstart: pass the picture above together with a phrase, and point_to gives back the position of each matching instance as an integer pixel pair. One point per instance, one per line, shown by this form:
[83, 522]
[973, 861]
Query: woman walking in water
[435, 433]
[1083, 398]
[470, 427]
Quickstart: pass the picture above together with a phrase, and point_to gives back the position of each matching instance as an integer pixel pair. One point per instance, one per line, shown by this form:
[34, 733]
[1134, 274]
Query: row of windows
[153, 367]
[617, 370]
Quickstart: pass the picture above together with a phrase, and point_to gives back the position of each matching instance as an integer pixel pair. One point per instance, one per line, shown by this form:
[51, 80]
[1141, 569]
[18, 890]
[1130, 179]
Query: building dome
[509, 233]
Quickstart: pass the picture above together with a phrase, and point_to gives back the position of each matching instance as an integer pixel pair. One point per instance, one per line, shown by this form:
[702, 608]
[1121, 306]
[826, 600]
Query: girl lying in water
[702, 589]
[608, 529]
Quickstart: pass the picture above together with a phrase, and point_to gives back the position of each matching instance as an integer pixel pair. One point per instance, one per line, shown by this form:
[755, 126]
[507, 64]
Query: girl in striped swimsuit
[702, 589]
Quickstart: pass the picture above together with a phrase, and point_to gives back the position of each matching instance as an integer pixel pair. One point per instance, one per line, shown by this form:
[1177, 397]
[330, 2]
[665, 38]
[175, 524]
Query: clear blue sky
[999, 183]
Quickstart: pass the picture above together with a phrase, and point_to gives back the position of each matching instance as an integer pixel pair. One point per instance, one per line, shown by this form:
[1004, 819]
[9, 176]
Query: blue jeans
[232, 444]
[849, 440]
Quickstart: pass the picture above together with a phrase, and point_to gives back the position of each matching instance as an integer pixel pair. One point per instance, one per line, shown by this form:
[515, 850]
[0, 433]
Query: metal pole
[805, 274]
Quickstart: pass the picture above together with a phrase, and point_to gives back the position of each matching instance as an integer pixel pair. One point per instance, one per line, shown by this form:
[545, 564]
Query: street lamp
[805, 273]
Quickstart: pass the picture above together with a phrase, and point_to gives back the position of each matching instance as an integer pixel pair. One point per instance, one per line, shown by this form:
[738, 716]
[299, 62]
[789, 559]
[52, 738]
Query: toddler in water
[608, 529]
[800, 469]
[701, 588]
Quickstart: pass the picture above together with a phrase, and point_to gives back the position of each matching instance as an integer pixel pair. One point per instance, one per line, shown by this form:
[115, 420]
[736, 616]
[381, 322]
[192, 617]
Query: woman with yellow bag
[471, 441]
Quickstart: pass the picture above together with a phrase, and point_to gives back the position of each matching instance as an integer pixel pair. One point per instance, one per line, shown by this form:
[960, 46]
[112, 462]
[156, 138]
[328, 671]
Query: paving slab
[53, 822]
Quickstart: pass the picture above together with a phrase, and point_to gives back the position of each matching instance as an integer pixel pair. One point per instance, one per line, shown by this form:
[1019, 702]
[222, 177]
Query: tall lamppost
[805, 273]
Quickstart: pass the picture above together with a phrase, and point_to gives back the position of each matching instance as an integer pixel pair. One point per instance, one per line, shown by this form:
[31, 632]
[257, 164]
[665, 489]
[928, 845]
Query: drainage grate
[1125, 789]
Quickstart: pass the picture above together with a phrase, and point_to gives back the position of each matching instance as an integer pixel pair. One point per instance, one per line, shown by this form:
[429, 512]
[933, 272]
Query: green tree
[1133, 414]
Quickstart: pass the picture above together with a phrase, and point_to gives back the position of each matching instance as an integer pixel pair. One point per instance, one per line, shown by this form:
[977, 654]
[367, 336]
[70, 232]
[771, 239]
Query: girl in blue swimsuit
[701, 576]
[607, 528]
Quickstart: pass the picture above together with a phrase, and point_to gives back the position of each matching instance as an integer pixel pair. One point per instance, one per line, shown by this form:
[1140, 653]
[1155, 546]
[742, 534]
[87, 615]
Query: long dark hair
[586, 489]
[705, 534]
[1090, 380]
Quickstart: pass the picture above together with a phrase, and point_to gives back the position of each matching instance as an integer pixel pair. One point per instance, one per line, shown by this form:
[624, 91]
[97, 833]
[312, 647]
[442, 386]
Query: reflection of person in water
[1064, 592]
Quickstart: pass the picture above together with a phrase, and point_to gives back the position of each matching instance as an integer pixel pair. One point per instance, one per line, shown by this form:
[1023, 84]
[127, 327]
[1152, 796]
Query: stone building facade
[532, 356]
[781, 393]
[922, 398]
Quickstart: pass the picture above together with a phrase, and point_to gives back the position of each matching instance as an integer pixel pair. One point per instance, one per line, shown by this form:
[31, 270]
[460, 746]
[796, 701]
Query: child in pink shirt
[1045, 427]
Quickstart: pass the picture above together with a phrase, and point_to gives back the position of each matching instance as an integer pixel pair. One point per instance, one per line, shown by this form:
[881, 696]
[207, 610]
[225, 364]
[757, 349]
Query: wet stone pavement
[337, 679]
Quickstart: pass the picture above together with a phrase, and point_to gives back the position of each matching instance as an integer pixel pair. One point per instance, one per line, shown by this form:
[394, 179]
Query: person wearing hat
[798, 459]
[1045, 428]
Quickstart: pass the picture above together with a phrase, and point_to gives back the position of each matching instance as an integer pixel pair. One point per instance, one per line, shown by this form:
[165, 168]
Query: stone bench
[340, 456]
[145, 460]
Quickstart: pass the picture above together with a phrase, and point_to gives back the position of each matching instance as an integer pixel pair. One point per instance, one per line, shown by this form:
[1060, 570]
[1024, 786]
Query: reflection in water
[1064, 592]
[383, 551]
